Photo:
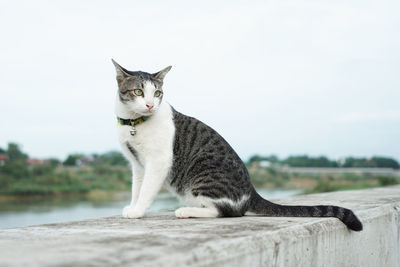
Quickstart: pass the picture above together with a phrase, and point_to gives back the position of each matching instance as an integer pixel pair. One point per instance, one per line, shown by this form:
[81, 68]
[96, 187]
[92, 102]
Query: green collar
[132, 122]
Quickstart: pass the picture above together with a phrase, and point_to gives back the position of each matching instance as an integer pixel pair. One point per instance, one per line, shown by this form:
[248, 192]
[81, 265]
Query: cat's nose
[149, 106]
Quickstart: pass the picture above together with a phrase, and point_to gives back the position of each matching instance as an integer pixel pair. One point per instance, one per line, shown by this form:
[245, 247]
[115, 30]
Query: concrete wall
[162, 240]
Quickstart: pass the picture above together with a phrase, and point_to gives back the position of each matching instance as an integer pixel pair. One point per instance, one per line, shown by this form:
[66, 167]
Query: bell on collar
[133, 131]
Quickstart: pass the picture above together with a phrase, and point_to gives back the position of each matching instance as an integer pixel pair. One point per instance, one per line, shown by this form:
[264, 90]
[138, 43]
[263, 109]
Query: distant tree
[383, 162]
[72, 160]
[254, 158]
[305, 161]
[53, 162]
[43, 169]
[324, 162]
[351, 162]
[2, 151]
[14, 153]
[113, 158]
[374, 162]
[387, 180]
[297, 161]
[15, 169]
[258, 158]
[272, 159]
[348, 162]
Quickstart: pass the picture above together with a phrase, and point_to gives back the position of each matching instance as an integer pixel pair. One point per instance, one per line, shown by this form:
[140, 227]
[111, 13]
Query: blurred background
[306, 92]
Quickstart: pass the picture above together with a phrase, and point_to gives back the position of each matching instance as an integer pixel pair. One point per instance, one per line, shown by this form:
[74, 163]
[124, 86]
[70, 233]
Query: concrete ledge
[162, 240]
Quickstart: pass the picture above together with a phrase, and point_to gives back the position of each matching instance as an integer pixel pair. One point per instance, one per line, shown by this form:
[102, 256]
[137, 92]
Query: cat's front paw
[182, 213]
[132, 213]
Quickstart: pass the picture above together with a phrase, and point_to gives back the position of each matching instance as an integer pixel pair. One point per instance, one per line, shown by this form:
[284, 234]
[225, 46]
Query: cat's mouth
[147, 112]
[143, 112]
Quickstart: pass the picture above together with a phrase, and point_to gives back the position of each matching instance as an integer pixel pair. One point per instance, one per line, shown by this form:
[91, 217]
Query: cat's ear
[121, 72]
[161, 74]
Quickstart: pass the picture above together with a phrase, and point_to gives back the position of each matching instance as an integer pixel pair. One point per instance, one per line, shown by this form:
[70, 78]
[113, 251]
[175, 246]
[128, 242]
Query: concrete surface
[162, 240]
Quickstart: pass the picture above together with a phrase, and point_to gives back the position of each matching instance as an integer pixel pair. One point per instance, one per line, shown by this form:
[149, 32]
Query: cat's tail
[261, 206]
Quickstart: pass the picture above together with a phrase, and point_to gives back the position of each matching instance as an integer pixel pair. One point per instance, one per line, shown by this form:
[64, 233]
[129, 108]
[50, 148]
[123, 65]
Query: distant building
[34, 162]
[341, 161]
[85, 160]
[3, 159]
[264, 164]
[261, 164]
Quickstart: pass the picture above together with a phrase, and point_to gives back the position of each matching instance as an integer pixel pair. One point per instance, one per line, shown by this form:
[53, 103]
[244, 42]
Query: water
[63, 210]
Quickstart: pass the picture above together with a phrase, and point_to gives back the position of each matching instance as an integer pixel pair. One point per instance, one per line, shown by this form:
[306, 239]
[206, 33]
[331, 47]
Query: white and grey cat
[190, 159]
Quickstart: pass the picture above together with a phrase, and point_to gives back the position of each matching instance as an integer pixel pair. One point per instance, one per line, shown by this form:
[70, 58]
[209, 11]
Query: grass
[67, 180]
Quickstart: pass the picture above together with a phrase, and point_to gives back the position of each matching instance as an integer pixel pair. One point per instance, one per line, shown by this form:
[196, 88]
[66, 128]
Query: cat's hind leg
[195, 212]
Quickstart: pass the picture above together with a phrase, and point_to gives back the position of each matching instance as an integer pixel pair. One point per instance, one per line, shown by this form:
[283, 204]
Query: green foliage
[106, 172]
[261, 176]
[109, 171]
[279, 178]
[258, 158]
[324, 162]
[383, 162]
[358, 163]
[43, 169]
[324, 186]
[72, 160]
[45, 180]
[114, 158]
[15, 169]
[387, 180]
[374, 162]
[14, 153]
[305, 161]
[53, 162]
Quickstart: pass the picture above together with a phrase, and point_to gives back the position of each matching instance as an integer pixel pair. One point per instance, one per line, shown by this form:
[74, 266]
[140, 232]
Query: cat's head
[140, 92]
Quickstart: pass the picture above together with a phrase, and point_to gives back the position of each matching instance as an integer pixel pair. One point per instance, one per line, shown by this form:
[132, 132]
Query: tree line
[22, 175]
[324, 162]
[80, 173]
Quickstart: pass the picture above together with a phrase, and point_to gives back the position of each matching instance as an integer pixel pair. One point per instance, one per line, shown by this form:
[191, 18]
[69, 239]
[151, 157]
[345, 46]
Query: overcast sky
[273, 77]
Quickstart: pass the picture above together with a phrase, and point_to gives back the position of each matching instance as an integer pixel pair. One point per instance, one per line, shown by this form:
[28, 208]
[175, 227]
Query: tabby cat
[190, 159]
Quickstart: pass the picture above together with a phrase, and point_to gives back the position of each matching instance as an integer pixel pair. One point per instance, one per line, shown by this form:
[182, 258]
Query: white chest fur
[153, 140]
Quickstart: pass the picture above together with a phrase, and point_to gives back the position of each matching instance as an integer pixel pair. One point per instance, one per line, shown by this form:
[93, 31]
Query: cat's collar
[132, 122]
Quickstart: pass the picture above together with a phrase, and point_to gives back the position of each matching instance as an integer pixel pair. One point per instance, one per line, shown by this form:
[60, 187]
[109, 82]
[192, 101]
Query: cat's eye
[157, 93]
[138, 92]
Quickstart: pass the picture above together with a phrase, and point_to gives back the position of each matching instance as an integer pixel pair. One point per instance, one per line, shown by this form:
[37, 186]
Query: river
[25, 213]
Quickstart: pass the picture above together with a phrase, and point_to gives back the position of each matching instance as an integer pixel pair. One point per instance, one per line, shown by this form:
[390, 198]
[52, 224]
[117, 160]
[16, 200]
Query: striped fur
[260, 206]
[207, 166]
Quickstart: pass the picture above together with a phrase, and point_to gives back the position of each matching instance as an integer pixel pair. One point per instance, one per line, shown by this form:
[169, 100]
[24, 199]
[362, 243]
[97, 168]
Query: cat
[190, 159]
